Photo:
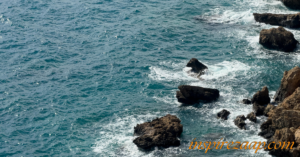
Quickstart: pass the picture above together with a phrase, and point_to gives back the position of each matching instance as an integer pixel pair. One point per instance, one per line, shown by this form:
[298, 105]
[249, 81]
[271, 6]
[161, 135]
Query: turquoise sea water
[76, 76]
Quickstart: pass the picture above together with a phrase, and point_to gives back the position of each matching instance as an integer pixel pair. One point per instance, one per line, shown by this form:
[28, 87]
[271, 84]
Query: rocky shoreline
[283, 123]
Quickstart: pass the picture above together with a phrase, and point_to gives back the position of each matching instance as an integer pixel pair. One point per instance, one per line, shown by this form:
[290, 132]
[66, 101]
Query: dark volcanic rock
[293, 4]
[278, 38]
[193, 94]
[289, 82]
[286, 20]
[252, 117]
[267, 130]
[261, 97]
[258, 109]
[240, 122]
[162, 131]
[223, 114]
[246, 101]
[196, 66]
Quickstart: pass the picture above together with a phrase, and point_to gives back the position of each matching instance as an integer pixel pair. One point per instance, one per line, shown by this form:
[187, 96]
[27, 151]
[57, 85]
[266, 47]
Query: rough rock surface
[297, 136]
[269, 108]
[162, 131]
[289, 82]
[240, 122]
[193, 94]
[258, 109]
[286, 20]
[252, 117]
[293, 4]
[223, 114]
[261, 97]
[246, 101]
[196, 66]
[278, 39]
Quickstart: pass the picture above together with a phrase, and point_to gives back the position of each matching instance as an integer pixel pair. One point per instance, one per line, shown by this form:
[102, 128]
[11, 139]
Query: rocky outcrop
[282, 123]
[261, 97]
[223, 114]
[278, 39]
[293, 4]
[246, 101]
[196, 66]
[240, 122]
[289, 82]
[269, 108]
[267, 130]
[258, 109]
[193, 94]
[252, 117]
[285, 20]
[283, 135]
[162, 131]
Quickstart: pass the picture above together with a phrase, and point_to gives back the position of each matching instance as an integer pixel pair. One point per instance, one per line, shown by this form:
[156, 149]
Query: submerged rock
[286, 20]
[261, 97]
[193, 94]
[289, 82]
[252, 117]
[196, 66]
[278, 39]
[162, 131]
[246, 101]
[240, 122]
[293, 4]
[223, 114]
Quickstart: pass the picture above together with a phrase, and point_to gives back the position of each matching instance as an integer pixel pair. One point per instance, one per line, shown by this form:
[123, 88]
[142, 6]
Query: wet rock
[246, 101]
[223, 114]
[289, 83]
[240, 122]
[267, 130]
[261, 97]
[162, 131]
[196, 66]
[252, 117]
[278, 39]
[293, 4]
[269, 108]
[286, 20]
[193, 94]
[258, 109]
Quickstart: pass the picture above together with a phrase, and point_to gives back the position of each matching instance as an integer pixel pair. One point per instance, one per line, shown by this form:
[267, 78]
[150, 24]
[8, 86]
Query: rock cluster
[283, 123]
[162, 132]
[223, 114]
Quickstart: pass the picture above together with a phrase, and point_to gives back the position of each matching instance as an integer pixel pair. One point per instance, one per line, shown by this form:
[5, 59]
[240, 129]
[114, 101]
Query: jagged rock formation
[162, 131]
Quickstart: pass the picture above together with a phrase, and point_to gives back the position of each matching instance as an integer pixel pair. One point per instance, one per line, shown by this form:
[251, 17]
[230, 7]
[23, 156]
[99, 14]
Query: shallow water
[77, 76]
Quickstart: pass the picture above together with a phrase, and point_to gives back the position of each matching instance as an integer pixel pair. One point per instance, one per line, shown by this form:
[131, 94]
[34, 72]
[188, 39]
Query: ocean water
[76, 76]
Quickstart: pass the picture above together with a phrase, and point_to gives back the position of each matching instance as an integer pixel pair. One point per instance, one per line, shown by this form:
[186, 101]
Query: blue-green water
[76, 76]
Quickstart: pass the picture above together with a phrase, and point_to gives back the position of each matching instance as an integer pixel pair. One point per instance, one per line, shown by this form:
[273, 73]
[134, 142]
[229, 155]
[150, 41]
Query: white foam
[225, 69]
[115, 138]
[166, 75]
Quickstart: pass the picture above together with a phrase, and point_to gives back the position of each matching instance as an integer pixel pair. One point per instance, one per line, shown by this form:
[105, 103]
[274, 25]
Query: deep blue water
[76, 76]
